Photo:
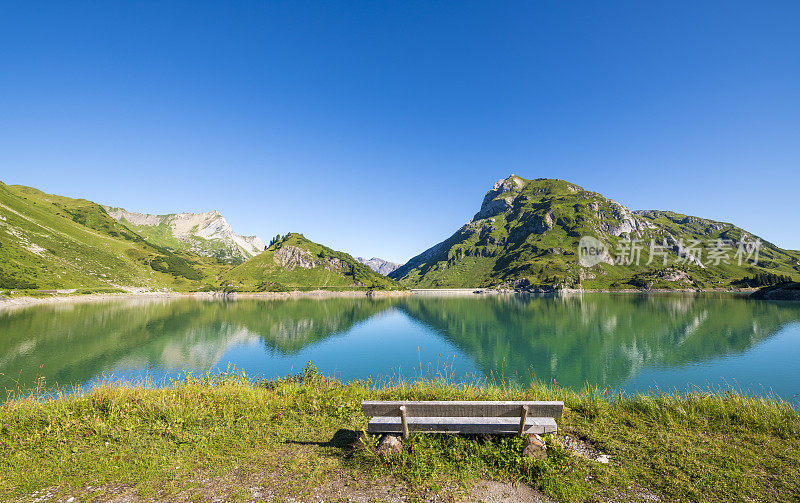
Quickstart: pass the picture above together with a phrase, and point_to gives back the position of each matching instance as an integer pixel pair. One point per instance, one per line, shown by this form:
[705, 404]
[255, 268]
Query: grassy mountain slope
[295, 262]
[527, 232]
[54, 242]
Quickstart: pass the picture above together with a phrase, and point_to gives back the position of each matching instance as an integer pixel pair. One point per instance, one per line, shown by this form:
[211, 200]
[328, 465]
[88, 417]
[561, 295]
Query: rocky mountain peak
[500, 197]
[207, 233]
[504, 193]
[379, 265]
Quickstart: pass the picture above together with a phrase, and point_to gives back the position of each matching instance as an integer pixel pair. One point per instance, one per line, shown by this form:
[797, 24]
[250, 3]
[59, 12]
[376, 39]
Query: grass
[293, 435]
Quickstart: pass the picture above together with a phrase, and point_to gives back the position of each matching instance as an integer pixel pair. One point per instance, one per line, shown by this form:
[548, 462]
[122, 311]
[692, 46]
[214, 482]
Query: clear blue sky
[376, 127]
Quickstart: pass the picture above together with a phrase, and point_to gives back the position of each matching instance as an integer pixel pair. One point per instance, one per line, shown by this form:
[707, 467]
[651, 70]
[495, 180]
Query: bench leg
[404, 421]
[522, 418]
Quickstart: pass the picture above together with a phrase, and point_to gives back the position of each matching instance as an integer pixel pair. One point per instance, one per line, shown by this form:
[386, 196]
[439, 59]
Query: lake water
[622, 341]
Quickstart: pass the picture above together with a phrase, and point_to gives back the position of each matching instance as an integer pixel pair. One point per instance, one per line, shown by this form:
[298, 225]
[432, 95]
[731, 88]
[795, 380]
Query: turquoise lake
[625, 342]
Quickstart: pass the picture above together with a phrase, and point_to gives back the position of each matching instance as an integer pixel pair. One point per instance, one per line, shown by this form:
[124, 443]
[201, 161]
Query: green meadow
[224, 435]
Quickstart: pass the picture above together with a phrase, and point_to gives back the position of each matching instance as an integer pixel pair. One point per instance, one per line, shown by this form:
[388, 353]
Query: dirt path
[296, 471]
[340, 486]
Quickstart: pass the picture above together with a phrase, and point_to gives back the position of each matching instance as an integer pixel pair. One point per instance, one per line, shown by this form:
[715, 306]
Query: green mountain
[54, 242]
[527, 235]
[207, 234]
[295, 262]
[50, 242]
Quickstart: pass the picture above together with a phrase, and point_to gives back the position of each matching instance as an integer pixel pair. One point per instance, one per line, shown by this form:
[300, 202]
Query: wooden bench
[462, 417]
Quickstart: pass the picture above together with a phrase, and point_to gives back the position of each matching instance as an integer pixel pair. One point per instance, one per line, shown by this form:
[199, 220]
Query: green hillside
[54, 242]
[527, 233]
[295, 262]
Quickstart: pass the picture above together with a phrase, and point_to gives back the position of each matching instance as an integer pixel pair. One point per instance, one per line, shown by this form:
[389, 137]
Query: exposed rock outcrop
[290, 257]
[492, 204]
[535, 447]
[390, 445]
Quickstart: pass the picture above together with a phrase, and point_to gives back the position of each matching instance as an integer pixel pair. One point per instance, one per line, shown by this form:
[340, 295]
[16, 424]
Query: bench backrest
[462, 409]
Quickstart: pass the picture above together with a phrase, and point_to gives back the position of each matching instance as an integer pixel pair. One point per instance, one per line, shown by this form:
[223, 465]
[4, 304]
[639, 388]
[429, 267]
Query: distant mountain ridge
[206, 234]
[527, 235]
[379, 265]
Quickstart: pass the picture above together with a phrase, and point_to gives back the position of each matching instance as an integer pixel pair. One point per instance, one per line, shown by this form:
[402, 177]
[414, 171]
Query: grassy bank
[292, 437]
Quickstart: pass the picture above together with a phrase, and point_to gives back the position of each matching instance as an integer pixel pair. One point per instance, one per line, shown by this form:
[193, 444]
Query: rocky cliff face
[289, 257]
[207, 234]
[379, 265]
[528, 234]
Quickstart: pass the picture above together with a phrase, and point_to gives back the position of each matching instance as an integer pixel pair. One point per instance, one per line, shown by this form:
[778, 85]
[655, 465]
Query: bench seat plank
[462, 408]
[468, 425]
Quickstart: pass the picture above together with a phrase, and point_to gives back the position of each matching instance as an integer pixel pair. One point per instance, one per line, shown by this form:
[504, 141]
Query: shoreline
[568, 291]
[65, 298]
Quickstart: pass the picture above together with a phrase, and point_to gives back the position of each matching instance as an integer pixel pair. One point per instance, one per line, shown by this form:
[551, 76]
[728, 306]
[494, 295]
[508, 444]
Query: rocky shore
[786, 291]
[58, 298]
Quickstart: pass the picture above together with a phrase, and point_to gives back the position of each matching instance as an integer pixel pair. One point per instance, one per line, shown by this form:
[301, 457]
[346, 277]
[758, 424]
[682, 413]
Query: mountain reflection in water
[599, 339]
